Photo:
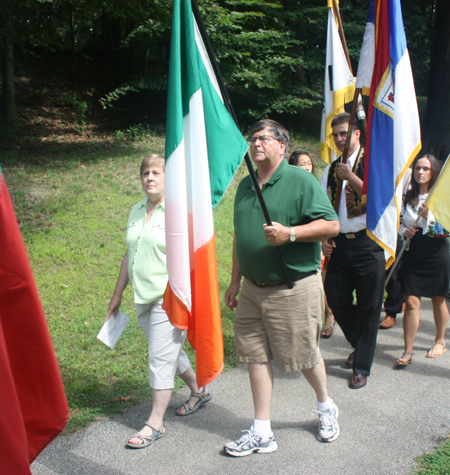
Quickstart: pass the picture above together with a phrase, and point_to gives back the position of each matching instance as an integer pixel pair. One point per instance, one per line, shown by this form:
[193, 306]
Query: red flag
[33, 406]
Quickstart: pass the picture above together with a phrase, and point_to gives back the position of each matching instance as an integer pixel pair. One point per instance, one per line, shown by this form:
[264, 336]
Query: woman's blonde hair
[153, 159]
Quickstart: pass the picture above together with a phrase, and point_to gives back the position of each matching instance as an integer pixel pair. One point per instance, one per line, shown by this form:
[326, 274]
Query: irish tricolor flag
[203, 150]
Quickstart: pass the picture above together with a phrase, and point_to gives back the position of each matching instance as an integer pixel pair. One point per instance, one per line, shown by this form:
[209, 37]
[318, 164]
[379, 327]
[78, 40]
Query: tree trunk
[436, 129]
[115, 31]
[72, 32]
[107, 33]
[132, 48]
[9, 92]
[147, 54]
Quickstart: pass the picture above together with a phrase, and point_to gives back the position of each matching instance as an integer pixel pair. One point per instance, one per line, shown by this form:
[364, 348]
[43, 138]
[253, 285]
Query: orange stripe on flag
[176, 310]
[204, 324]
[205, 332]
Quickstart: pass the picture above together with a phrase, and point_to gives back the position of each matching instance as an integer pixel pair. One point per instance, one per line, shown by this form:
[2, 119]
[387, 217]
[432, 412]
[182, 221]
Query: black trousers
[357, 264]
[394, 300]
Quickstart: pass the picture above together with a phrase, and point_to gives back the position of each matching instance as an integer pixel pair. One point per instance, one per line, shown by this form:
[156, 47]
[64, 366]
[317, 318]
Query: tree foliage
[437, 119]
[271, 52]
[263, 55]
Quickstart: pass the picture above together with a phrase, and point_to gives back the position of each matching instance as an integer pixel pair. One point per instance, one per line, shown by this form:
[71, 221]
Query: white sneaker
[250, 443]
[328, 424]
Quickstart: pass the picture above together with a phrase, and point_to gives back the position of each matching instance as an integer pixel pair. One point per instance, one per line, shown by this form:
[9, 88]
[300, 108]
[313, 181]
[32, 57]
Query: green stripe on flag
[187, 74]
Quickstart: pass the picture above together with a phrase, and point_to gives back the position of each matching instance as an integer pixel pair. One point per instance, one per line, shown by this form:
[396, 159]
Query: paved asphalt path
[400, 414]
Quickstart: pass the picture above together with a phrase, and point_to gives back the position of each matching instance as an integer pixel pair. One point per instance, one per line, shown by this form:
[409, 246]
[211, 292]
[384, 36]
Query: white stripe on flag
[189, 220]
[205, 58]
[177, 247]
[406, 124]
[366, 58]
[199, 191]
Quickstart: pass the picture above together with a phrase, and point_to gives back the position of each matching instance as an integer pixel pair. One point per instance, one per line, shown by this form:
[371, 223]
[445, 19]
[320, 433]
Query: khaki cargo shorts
[280, 324]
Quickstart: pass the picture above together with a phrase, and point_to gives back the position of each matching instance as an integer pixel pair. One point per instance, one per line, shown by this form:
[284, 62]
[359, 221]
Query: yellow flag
[439, 198]
[339, 87]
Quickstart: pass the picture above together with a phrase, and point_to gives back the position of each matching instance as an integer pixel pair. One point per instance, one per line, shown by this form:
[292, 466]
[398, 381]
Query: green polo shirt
[146, 249]
[293, 197]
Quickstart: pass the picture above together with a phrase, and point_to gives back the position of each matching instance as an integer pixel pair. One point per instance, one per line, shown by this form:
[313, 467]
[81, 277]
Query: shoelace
[325, 419]
[248, 437]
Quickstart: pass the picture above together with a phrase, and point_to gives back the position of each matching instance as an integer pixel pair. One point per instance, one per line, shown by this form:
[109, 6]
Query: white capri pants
[166, 357]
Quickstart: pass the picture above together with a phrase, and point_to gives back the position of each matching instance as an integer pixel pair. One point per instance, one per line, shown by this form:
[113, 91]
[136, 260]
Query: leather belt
[295, 279]
[353, 235]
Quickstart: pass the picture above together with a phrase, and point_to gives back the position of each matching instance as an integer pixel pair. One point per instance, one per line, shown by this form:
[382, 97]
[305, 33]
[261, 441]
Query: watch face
[293, 236]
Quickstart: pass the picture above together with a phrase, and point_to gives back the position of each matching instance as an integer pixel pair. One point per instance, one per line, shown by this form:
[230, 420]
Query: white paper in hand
[113, 328]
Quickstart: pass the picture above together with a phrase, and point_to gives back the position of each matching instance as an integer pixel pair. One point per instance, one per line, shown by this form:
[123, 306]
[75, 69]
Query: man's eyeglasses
[262, 138]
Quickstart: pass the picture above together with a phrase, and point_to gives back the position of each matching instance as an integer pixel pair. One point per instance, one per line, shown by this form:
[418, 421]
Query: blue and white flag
[393, 135]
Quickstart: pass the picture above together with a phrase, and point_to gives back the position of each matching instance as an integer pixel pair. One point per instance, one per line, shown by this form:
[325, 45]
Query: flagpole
[337, 14]
[360, 110]
[400, 254]
[228, 105]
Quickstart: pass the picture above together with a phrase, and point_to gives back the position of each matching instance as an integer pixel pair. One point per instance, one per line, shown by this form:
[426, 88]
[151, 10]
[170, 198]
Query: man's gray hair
[276, 129]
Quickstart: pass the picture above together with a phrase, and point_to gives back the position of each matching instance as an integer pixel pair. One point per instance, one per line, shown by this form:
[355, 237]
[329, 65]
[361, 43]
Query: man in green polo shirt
[273, 322]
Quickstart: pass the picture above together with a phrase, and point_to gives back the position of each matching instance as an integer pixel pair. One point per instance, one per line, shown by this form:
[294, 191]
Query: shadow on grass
[54, 156]
[91, 398]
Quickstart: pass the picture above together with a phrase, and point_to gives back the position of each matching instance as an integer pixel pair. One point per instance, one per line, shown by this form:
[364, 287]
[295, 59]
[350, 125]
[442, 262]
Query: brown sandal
[202, 399]
[402, 362]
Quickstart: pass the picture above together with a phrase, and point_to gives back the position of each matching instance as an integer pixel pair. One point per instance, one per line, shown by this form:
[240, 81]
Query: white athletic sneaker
[249, 443]
[328, 424]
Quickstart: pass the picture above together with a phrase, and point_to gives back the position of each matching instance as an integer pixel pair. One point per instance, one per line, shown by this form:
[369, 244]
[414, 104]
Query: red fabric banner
[33, 406]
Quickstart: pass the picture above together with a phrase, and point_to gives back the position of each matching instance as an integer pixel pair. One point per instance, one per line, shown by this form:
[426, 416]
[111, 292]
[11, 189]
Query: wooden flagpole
[360, 110]
[337, 14]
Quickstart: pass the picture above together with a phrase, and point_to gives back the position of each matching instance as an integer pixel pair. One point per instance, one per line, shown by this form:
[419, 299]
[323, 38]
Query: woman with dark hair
[302, 159]
[426, 265]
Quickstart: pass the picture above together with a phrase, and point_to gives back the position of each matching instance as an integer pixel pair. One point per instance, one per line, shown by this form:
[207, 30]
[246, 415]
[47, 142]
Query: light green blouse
[146, 249]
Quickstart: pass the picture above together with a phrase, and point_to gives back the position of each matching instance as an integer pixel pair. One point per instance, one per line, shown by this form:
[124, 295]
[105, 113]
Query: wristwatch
[292, 235]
